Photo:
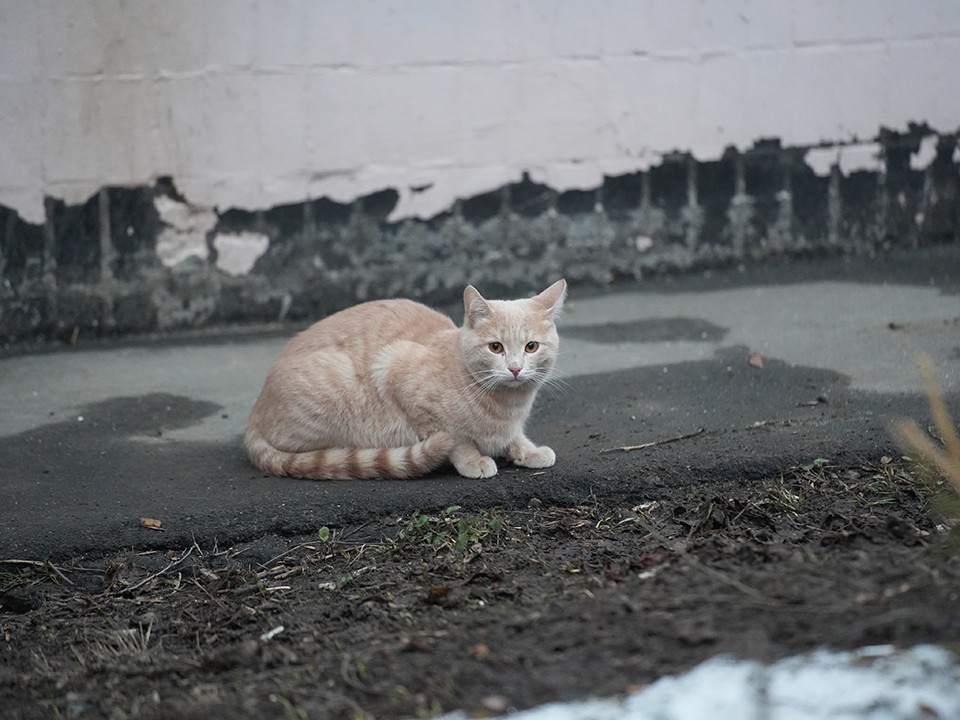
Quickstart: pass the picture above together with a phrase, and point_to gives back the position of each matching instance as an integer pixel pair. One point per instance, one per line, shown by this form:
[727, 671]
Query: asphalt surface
[94, 437]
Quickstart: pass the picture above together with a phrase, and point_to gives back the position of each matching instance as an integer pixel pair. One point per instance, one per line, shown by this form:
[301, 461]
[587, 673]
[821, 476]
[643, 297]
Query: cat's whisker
[558, 379]
[471, 393]
[550, 380]
[489, 384]
[481, 386]
[555, 389]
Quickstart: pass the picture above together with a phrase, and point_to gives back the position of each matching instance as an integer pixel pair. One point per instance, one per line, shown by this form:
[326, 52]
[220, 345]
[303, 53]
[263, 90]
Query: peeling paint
[849, 158]
[822, 159]
[238, 252]
[862, 157]
[921, 159]
[155, 258]
[184, 234]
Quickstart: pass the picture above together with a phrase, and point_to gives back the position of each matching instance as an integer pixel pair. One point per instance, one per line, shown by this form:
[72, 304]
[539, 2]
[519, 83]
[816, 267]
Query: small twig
[172, 566]
[684, 554]
[56, 571]
[206, 592]
[725, 579]
[271, 634]
[34, 563]
[76, 654]
[654, 443]
[349, 674]
[286, 552]
[344, 534]
[45, 564]
[283, 573]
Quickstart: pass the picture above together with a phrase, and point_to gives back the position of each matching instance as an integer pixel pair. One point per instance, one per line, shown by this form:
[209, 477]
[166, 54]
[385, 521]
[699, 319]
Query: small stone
[495, 703]
[480, 651]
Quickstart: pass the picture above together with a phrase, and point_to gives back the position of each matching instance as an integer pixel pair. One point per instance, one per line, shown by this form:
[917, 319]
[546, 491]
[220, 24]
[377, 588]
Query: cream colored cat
[393, 389]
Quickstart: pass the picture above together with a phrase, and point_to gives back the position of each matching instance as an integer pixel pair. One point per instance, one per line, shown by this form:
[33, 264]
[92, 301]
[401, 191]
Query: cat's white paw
[480, 467]
[537, 457]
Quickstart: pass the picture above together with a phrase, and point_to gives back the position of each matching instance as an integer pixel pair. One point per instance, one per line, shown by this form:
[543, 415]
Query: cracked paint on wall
[184, 232]
[237, 252]
[849, 158]
[148, 258]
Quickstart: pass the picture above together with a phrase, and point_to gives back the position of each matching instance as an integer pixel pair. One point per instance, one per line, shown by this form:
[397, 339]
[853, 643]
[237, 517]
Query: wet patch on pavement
[649, 330]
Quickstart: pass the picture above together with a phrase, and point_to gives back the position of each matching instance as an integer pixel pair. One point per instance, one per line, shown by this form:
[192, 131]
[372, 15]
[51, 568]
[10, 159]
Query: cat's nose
[514, 370]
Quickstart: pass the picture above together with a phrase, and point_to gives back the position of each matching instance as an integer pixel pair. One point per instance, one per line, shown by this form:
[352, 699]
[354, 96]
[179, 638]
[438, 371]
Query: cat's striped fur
[348, 463]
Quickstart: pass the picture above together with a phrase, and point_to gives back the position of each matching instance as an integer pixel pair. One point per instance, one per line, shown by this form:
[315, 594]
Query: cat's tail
[352, 463]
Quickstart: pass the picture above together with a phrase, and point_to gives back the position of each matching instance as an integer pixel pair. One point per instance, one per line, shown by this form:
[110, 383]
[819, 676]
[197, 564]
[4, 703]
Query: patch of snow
[879, 683]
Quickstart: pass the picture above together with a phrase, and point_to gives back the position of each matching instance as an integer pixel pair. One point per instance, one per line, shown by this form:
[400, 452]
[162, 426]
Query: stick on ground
[654, 443]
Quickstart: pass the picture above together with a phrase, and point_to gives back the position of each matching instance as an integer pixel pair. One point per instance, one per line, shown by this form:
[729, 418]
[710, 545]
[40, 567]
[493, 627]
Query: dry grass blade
[941, 418]
[918, 442]
[112, 644]
[947, 462]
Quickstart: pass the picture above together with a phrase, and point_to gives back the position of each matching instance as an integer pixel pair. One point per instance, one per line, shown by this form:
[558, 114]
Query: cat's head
[511, 343]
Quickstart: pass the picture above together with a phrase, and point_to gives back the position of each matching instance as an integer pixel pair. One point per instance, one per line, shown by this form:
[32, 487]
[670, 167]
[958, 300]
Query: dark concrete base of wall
[93, 269]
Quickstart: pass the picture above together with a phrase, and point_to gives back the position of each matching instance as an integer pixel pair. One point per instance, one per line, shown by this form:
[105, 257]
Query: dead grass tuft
[944, 461]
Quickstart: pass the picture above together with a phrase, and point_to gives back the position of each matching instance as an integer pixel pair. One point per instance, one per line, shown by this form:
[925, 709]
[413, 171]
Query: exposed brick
[716, 187]
[575, 202]
[134, 225]
[529, 199]
[481, 208]
[76, 233]
[622, 194]
[21, 252]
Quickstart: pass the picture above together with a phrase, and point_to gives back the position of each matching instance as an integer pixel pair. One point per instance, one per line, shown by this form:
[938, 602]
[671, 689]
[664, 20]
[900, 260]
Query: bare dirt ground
[484, 610]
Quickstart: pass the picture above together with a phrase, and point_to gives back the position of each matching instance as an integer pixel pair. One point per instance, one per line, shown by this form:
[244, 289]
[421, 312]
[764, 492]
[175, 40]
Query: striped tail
[352, 463]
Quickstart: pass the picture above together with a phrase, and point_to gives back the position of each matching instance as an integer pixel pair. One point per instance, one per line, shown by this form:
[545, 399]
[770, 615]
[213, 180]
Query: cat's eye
[496, 347]
[532, 346]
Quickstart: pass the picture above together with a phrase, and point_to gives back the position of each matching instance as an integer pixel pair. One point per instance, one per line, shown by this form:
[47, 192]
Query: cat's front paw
[479, 467]
[536, 457]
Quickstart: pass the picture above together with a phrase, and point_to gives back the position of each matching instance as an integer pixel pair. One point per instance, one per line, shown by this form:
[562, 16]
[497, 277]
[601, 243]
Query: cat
[393, 389]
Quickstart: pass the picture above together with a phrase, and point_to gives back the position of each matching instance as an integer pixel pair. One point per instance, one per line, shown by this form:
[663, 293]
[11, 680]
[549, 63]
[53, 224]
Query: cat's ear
[552, 298]
[475, 308]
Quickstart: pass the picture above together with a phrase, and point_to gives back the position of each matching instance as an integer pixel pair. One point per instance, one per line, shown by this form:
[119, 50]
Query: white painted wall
[250, 104]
